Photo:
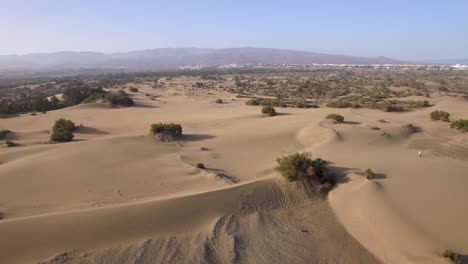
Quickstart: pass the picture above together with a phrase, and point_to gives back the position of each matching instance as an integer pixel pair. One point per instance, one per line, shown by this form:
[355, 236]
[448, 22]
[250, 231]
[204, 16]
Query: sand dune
[115, 195]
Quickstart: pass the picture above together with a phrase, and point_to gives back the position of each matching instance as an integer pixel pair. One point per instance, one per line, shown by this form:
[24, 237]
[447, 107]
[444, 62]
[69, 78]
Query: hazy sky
[409, 29]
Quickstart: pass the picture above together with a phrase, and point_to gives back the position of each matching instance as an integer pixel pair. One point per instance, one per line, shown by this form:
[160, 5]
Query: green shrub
[3, 133]
[252, 101]
[268, 110]
[460, 124]
[300, 104]
[410, 128]
[133, 89]
[119, 99]
[299, 166]
[219, 101]
[336, 117]
[62, 131]
[454, 257]
[440, 115]
[370, 175]
[339, 104]
[169, 128]
[10, 143]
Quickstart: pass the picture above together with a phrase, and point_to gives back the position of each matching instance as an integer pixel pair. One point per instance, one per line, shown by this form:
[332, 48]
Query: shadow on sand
[196, 137]
[90, 130]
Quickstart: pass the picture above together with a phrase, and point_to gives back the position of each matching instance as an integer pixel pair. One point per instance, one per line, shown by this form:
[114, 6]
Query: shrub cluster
[10, 143]
[336, 117]
[29, 103]
[170, 128]
[3, 133]
[62, 131]
[133, 89]
[460, 124]
[453, 256]
[370, 175]
[300, 166]
[410, 128]
[268, 110]
[440, 115]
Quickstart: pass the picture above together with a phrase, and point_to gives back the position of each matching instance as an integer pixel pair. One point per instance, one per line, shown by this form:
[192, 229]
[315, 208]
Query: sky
[410, 29]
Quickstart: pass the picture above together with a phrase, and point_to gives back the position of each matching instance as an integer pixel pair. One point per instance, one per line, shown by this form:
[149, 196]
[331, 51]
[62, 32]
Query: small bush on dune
[200, 165]
[268, 110]
[300, 104]
[454, 257]
[460, 124]
[370, 175]
[410, 128]
[62, 131]
[133, 89]
[10, 143]
[169, 128]
[3, 133]
[219, 101]
[120, 99]
[440, 115]
[252, 101]
[300, 166]
[336, 117]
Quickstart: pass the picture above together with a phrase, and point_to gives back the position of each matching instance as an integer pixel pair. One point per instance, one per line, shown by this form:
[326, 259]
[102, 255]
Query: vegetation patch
[219, 101]
[133, 89]
[337, 118]
[269, 110]
[10, 143]
[62, 131]
[453, 256]
[370, 175]
[4, 133]
[410, 128]
[440, 115]
[460, 124]
[301, 166]
[166, 132]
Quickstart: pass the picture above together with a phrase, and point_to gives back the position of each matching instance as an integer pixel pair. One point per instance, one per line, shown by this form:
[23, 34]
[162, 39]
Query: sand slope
[117, 196]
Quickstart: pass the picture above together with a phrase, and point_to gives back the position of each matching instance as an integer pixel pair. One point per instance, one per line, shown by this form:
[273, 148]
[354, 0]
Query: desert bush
[219, 101]
[460, 124]
[336, 117]
[200, 165]
[133, 89]
[10, 143]
[168, 128]
[410, 128]
[453, 257]
[3, 133]
[440, 115]
[300, 104]
[370, 175]
[62, 131]
[339, 104]
[119, 99]
[252, 101]
[268, 110]
[299, 166]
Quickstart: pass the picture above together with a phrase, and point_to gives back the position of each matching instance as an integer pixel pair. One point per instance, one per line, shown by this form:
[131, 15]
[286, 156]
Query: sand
[115, 195]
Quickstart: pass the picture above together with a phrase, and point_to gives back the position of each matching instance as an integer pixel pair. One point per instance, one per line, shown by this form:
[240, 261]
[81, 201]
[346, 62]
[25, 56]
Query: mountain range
[168, 58]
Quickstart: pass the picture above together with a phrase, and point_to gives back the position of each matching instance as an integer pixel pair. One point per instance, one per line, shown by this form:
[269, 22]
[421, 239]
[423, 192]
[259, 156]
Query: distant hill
[166, 58]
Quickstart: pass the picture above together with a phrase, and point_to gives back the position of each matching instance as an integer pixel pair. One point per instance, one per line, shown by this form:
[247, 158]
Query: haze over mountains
[167, 58]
